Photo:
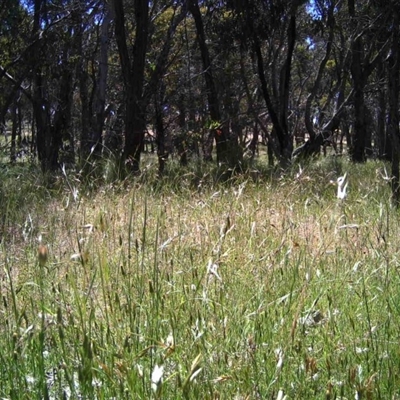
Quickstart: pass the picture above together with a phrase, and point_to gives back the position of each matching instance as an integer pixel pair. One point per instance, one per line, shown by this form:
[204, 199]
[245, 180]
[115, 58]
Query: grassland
[261, 287]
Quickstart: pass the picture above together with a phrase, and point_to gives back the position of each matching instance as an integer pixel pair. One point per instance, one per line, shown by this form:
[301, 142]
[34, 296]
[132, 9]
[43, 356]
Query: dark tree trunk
[321, 69]
[101, 85]
[358, 147]
[85, 112]
[393, 91]
[381, 136]
[361, 68]
[179, 141]
[162, 152]
[14, 128]
[43, 133]
[278, 109]
[133, 77]
[286, 142]
[228, 151]
[43, 124]
[359, 139]
[61, 123]
[161, 134]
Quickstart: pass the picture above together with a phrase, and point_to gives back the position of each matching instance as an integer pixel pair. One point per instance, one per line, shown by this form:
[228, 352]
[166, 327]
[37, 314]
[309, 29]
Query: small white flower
[169, 341]
[212, 269]
[342, 187]
[156, 377]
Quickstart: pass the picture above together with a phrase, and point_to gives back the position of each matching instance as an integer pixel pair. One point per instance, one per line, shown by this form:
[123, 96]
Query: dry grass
[235, 290]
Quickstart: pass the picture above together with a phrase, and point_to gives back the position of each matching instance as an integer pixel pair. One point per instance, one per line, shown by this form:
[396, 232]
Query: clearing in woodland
[187, 288]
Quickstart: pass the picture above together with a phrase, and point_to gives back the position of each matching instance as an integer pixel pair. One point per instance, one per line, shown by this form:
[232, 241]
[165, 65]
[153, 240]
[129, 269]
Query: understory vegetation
[261, 286]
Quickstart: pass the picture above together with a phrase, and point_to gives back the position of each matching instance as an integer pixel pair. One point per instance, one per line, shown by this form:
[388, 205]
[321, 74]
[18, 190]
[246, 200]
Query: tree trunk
[321, 69]
[278, 110]
[361, 68]
[101, 85]
[228, 151]
[381, 134]
[393, 122]
[133, 76]
[358, 148]
[14, 121]
[179, 141]
[162, 152]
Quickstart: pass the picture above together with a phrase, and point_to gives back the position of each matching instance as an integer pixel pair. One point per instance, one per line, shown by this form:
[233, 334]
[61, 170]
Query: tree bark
[361, 68]
[99, 102]
[278, 110]
[133, 77]
[383, 141]
[228, 151]
[393, 91]
[321, 69]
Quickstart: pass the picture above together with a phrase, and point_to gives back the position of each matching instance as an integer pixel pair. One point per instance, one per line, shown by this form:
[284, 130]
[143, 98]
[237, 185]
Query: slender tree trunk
[162, 151]
[133, 76]
[61, 123]
[101, 86]
[179, 141]
[14, 127]
[381, 136]
[320, 73]
[393, 123]
[287, 144]
[277, 110]
[228, 151]
[361, 68]
[43, 133]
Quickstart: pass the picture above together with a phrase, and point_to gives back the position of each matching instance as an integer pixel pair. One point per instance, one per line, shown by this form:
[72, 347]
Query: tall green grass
[189, 287]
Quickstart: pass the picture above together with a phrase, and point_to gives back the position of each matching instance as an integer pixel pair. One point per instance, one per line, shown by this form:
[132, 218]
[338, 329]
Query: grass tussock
[187, 287]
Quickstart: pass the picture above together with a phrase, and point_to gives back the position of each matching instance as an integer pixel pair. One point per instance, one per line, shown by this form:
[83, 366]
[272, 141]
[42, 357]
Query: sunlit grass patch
[249, 288]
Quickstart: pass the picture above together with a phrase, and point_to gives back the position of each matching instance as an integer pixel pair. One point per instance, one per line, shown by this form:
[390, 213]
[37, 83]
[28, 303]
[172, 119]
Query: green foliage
[190, 288]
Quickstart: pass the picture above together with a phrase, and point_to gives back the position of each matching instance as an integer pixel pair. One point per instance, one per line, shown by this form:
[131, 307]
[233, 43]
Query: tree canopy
[218, 80]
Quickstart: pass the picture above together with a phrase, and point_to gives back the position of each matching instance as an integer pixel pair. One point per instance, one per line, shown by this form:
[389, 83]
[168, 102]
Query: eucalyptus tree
[228, 151]
[93, 43]
[268, 29]
[328, 94]
[14, 42]
[368, 47]
[55, 34]
[393, 64]
[140, 79]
